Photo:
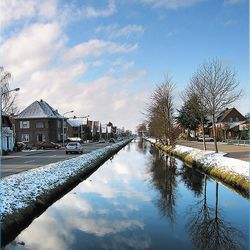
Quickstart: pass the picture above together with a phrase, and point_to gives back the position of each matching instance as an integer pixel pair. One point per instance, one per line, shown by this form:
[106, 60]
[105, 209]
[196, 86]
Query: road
[23, 161]
[233, 151]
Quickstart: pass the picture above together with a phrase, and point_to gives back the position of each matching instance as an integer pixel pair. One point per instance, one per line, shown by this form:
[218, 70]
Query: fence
[238, 142]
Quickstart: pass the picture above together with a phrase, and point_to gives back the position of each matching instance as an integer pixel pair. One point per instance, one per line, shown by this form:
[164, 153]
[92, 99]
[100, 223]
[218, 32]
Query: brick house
[37, 123]
[228, 124]
[74, 128]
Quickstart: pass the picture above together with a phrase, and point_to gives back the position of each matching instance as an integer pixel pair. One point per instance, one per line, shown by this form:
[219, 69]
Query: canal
[142, 199]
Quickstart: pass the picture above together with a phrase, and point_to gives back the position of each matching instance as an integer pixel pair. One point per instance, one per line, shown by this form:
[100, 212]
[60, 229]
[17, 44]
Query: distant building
[74, 128]
[37, 123]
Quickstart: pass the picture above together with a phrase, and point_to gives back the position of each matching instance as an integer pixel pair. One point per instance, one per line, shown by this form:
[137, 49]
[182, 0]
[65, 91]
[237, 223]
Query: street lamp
[63, 122]
[4, 93]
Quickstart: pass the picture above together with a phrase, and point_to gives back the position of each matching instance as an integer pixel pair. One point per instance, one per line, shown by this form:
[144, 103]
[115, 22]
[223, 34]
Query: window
[231, 119]
[40, 137]
[25, 138]
[59, 124]
[24, 124]
[39, 125]
[237, 119]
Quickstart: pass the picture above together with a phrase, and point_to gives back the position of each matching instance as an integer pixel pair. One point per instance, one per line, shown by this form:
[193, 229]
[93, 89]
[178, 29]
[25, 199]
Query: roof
[39, 109]
[223, 114]
[74, 122]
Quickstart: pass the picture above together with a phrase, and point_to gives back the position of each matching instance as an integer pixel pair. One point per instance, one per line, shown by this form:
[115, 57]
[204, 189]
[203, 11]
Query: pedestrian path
[233, 151]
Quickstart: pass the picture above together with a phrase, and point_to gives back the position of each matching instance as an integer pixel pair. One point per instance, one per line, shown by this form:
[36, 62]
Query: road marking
[29, 161]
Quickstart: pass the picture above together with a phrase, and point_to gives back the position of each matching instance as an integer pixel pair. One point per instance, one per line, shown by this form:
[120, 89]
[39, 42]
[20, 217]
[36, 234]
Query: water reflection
[207, 227]
[142, 199]
[192, 179]
[163, 172]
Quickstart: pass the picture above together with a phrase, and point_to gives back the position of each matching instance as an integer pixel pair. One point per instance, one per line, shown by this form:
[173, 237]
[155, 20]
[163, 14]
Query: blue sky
[103, 58]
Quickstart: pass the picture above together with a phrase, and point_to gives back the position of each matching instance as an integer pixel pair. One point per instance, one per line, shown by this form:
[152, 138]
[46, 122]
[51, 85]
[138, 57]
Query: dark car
[22, 146]
[48, 145]
[102, 141]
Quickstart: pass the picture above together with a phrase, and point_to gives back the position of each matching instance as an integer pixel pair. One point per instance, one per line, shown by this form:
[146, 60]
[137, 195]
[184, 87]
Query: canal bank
[231, 172]
[26, 195]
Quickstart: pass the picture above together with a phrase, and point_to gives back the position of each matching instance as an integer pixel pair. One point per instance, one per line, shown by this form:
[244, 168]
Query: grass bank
[231, 172]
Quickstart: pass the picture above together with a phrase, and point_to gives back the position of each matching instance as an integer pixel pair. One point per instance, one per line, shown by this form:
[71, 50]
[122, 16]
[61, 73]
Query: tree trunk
[203, 130]
[215, 134]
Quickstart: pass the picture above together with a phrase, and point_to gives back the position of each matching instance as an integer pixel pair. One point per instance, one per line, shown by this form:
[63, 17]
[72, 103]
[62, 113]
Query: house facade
[7, 134]
[37, 123]
[229, 123]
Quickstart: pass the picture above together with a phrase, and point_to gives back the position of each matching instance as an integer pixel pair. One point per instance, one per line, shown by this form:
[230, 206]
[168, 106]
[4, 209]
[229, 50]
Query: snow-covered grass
[231, 171]
[20, 190]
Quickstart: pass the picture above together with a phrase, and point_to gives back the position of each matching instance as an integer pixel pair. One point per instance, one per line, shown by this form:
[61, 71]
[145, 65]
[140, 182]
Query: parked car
[111, 140]
[22, 146]
[48, 145]
[207, 138]
[74, 147]
[102, 141]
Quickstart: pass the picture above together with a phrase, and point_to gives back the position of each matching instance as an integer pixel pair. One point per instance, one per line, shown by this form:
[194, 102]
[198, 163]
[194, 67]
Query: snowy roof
[39, 109]
[74, 122]
[235, 124]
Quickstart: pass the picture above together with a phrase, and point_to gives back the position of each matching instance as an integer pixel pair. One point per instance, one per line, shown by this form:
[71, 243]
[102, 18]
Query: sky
[103, 58]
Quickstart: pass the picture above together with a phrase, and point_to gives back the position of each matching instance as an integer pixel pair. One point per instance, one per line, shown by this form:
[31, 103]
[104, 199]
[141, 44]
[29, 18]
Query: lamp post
[63, 122]
[4, 93]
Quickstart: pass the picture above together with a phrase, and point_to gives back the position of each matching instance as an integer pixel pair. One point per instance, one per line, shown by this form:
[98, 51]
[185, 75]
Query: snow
[212, 159]
[20, 190]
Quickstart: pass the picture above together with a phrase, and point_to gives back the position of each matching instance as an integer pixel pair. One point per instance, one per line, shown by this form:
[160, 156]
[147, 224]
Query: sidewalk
[12, 155]
[233, 151]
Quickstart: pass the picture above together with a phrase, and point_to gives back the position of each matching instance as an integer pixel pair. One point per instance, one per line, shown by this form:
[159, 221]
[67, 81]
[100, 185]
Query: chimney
[41, 100]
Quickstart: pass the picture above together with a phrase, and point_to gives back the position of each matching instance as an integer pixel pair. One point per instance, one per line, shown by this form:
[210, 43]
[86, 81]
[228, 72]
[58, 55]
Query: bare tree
[160, 112]
[8, 99]
[217, 88]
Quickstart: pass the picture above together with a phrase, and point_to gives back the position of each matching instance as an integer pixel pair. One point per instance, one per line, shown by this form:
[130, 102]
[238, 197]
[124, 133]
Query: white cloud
[114, 31]
[90, 11]
[31, 49]
[15, 10]
[97, 48]
[171, 4]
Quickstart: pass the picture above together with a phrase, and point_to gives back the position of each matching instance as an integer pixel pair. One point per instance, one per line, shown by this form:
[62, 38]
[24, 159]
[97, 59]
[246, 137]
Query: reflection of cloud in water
[102, 227]
[133, 242]
[46, 233]
[124, 171]
[72, 203]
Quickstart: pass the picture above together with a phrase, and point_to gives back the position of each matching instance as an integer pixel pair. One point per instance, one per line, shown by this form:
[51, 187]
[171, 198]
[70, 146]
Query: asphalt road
[23, 161]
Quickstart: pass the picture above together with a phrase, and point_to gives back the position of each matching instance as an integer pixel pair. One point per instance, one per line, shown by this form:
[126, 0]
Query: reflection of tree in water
[164, 172]
[142, 146]
[208, 229]
[192, 179]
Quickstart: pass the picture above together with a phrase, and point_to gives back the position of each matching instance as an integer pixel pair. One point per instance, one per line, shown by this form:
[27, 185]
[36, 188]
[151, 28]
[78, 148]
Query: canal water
[142, 199]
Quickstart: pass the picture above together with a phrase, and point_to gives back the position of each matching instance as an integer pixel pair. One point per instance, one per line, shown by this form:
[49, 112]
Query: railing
[237, 142]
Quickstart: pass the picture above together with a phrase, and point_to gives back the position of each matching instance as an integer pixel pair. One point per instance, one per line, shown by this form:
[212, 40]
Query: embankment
[231, 172]
[26, 195]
